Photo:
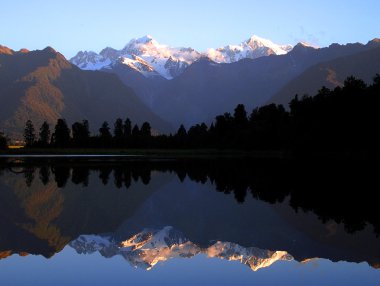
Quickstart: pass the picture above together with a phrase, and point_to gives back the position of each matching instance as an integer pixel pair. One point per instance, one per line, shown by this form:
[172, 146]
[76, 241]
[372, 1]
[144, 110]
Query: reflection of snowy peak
[150, 58]
[253, 257]
[148, 247]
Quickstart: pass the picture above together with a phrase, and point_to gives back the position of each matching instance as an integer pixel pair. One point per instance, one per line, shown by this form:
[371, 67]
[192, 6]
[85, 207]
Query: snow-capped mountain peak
[308, 45]
[151, 58]
[145, 39]
[110, 53]
[139, 46]
[252, 48]
[89, 60]
[256, 42]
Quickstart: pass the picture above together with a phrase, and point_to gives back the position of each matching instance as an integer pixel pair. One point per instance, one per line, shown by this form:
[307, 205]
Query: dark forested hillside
[44, 86]
[331, 74]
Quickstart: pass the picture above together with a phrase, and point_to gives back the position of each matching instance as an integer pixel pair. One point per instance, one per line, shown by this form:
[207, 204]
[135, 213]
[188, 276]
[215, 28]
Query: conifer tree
[127, 128]
[81, 133]
[44, 134]
[145, 129]
[118, 132]
[29, 134]
[61, 135]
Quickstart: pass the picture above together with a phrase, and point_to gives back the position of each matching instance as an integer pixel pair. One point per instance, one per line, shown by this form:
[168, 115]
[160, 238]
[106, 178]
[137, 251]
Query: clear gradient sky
[73, 25]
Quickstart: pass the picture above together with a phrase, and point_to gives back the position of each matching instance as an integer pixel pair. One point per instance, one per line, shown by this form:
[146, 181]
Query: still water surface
[75, 221]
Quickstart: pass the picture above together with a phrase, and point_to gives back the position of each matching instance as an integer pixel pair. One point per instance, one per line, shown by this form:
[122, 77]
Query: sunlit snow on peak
[308, 45]
[151, 58]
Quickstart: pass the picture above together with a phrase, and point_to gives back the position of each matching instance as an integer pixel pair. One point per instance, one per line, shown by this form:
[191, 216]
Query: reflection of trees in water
[104, 174]
[321, 187]
[44, 174]
[61, 175]
[124, 176]
[80, 175]
[29, 175]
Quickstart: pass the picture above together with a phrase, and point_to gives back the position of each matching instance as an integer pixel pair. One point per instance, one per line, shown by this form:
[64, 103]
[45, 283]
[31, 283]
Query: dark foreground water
[128, 221]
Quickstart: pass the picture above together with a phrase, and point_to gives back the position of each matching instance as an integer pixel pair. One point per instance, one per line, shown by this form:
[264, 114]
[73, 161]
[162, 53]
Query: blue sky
[73, 25]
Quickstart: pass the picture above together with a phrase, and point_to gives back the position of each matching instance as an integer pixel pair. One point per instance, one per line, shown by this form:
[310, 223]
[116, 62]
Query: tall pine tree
[44, 134]
[61, 135]
[29, 134]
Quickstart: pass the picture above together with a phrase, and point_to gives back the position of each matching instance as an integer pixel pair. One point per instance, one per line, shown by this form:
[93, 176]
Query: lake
[137, 221]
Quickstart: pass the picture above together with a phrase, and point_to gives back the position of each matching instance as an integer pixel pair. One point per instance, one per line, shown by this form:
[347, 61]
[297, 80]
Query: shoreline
[361, 155]
[144, 153]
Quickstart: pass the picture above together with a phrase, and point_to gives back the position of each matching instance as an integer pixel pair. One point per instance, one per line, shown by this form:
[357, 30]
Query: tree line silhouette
[79, 136]
[343, 119]
[301, 184]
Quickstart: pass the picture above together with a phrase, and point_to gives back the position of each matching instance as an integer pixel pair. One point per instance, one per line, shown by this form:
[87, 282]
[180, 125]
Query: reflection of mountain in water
[299, 207]
[40, 214]
[147, 248]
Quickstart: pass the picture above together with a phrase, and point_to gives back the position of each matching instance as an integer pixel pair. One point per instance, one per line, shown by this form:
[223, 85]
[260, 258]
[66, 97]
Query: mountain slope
[151, 59]
[331, 74]
[207, 89]
[43, 85]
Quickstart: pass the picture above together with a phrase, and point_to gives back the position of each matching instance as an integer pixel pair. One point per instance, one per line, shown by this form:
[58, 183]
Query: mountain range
[206, 89]
[151, 58]
[148, 81]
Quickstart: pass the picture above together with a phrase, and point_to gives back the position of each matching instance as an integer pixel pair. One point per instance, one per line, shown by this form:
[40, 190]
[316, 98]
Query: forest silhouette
[344, 119]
